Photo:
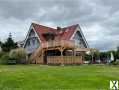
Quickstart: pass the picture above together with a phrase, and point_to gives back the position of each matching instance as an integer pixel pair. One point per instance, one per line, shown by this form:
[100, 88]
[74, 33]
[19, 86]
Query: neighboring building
[42, 38]
[20, 44]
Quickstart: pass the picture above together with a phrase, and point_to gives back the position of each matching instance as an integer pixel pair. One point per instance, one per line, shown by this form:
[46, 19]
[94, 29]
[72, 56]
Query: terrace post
[36, 61]
[62, 64]
[82, 55]
[74, 52]
[42, 56]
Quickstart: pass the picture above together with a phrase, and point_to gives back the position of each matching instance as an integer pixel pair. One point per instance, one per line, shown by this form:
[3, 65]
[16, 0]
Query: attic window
[49, 36]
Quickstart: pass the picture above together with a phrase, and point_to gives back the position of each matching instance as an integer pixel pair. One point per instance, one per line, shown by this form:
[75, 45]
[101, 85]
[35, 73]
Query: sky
[99, 19]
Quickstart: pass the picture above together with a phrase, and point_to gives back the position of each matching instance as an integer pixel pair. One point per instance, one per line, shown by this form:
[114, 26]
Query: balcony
[61, 43]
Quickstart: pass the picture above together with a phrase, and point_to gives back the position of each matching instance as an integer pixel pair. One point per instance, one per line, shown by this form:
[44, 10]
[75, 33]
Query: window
[77, 38]
[28, 42]
[32, 33]
[33, 41]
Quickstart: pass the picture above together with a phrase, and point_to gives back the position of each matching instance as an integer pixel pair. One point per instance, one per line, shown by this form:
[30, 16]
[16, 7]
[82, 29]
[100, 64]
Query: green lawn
[36, 77]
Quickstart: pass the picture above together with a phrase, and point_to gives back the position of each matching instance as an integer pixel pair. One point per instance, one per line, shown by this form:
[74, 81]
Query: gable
[79, 38]
[32, 41]
[32, 33]
[68, 32]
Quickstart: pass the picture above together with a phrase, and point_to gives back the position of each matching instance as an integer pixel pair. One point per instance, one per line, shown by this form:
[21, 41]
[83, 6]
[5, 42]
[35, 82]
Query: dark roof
[64, 34]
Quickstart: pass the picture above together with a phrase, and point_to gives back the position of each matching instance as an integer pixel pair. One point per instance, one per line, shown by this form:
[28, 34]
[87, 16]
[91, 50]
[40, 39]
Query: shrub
[115, 63]
[2, 53]
[4, 59]
[87, 57]
[19, 55]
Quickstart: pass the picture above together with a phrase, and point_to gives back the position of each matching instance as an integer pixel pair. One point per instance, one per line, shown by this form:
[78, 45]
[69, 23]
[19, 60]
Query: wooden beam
[74, 52]
[61, 50]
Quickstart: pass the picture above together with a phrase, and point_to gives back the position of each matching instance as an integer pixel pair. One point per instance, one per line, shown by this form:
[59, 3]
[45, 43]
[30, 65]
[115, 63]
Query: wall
[32, 42]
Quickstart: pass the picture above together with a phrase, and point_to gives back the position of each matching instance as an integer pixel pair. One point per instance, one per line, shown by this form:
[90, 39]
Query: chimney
[59, 28]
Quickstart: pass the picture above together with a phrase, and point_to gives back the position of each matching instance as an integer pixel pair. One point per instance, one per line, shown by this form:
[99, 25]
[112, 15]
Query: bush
[4, 59]
[87, 57]
[19, 55]
[115, 63]
[2, 53]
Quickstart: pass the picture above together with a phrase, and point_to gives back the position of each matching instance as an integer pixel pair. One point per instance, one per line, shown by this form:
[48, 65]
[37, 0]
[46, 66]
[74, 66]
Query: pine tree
[0, 43]
[117, 53]
[9, 44]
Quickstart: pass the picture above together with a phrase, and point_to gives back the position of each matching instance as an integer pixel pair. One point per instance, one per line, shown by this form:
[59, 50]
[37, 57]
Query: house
[48, 45]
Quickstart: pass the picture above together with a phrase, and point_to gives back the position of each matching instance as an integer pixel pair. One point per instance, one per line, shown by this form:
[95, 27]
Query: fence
[64, 60]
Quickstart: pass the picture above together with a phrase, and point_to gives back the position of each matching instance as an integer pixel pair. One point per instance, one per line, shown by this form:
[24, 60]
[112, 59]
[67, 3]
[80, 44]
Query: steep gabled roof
[65, 34]
[68, 32]
[40, 30]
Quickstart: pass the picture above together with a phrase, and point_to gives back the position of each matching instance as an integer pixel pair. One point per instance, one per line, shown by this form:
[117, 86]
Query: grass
[39, 77]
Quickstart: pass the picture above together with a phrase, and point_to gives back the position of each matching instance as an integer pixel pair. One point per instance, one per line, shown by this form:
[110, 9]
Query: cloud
[98, 18]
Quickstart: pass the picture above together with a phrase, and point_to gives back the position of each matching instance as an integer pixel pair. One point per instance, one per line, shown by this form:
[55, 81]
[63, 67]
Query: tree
[108, 53]
[117, 53]
[9, 44]
[0, 43]
[87, 57]
[118, 48]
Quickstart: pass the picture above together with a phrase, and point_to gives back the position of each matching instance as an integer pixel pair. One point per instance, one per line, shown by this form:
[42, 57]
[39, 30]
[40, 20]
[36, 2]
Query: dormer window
[49, 36]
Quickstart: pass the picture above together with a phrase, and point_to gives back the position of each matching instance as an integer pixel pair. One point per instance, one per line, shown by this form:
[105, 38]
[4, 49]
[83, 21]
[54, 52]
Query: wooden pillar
[42, 59]
[35, 60]
[61, 50]
[82, 54]
[92, 55]
[74, 52]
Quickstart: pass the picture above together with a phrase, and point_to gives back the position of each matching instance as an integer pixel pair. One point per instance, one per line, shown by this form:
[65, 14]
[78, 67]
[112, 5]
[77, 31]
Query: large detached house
[48, 45]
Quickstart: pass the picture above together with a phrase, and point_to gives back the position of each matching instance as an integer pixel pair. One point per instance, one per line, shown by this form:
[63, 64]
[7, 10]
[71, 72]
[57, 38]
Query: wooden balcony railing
[62, 43]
